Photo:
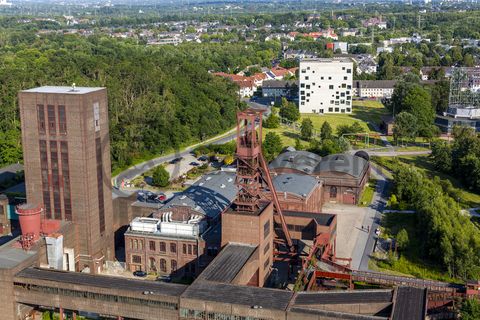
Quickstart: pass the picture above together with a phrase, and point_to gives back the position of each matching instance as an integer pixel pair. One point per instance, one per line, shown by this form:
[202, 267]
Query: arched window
[174, 265]
[163, 247]
[163, 265]
[136, 244]
[333, 192]
[173, 247]
[152, 264]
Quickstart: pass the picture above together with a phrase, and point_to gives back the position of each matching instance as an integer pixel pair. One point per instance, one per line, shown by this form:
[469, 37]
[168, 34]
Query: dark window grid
[101, 208]
[52, 130]
[62, 122]
[41, 118]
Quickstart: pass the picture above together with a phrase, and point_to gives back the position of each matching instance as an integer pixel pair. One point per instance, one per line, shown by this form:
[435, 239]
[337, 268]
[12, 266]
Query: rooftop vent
[222, 186]
[208, 178]
[74, 87]
[229, 179]
[182, 197]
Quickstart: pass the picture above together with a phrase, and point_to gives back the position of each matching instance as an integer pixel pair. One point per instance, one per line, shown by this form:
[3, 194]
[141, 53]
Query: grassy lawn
[363, 112]
[287, 135]
[422, 162]
[411, 261]
[367, 194]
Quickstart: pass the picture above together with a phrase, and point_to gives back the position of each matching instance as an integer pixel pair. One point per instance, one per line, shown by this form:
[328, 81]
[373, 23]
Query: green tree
[307, 129]
[272, 121]
[272, 146]
[405, 126]
[419, 103]
[326, 131]
[289, 111]
[402, 239]
[470, 309]
[160, 176]
[442, 156]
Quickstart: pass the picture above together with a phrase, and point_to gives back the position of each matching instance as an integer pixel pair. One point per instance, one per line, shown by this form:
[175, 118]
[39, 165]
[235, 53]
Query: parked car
[377, 231]
[173, 161]
[203, 158]
[195, 164]
[164, 278]
[140, 273]
[151, 197]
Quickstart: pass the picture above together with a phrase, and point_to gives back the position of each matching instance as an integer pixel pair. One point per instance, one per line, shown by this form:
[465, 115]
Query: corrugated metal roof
[90, 280]
[343, 297]
[229, 262]
[210, 195]
[410, 304]
[299, 184]
[272, 299]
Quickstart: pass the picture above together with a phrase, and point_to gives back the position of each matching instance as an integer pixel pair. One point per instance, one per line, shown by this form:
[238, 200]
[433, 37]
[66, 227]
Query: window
[266, 229]
[329, 78]
[41, 118]
[345, 78]
[62, 122]
[151, 245]
[308, 86]
[163, 247]
[96, 116]
[266, 264]
[184, 248]
[195, 249]
[330, 109]
[267, 247]
[51, 120]
[136, 259]
[349, 110]
[349, 70]
[101, 203]
[330, 87]
[302, 85]
[152, 264]
[163, 265]
[337, 109]
[174, 265]
[173, 247]
[189, 249]
[306, 78]
[333, 192]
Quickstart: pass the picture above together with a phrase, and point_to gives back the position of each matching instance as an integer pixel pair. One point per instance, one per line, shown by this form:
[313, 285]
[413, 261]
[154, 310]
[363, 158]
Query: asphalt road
[372, 219]
[141, 168]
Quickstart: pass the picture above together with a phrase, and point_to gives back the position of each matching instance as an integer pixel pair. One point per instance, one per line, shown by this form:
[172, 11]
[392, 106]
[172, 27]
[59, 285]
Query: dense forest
[159, 98]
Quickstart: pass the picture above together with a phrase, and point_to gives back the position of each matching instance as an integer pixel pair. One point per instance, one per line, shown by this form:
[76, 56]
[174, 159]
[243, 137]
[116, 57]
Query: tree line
[448, 237]
[159, 97]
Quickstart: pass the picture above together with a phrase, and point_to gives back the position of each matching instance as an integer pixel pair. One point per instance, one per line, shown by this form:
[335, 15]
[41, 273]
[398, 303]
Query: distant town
[250, 160]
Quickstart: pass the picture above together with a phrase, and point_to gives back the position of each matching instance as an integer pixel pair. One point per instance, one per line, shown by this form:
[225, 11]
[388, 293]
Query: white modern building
[326, 85]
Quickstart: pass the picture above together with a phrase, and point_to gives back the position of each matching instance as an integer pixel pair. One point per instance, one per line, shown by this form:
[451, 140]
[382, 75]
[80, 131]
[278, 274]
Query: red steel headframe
[252, 168]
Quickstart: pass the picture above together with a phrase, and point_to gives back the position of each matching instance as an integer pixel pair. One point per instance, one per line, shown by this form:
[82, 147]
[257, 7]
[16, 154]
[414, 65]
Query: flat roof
[11, 256]
[100, 281]
[343, 297]
[240, 295]
[63, 90]
[228, 263]
[299, 184]
[323, 219]
[336, 314]
[410, 304]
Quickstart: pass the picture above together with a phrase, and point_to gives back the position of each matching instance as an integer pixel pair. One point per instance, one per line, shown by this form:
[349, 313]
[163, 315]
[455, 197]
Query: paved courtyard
[349, 228]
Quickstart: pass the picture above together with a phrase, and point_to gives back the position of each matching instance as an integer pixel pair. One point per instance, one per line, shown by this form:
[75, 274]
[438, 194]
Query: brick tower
[66, 152]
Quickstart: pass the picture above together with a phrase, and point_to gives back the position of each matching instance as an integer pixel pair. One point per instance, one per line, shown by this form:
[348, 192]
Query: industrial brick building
[65, 140]
[183, 236]
[343, 175]
[228, 288]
